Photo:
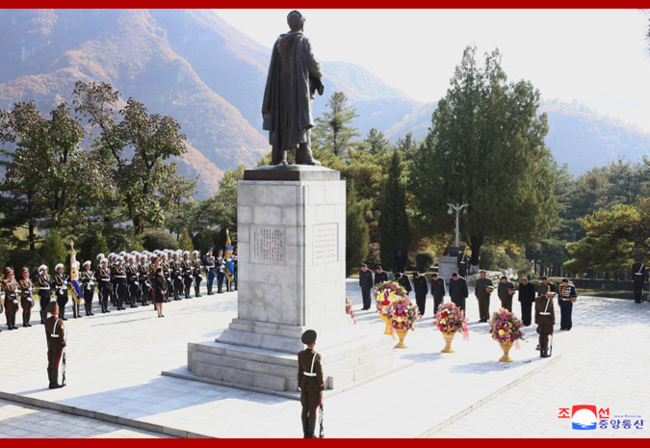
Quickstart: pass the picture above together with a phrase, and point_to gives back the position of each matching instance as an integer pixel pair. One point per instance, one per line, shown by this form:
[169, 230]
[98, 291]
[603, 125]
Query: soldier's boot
[13, 321]
[305, 428]
[220, 290]
[197, 289]
[54, 382]
[544, 350]
[62, 312]
[75, 310]
[209, 289]
[228, 289]
[235, 285]
[133, 302]
[42, 312]
[28, 318]
[9, 326]
[24, 323]
[187, 292]
[311, 428]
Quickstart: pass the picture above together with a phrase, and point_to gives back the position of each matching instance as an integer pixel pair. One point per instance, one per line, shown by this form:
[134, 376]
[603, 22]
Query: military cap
[100, 256]
[87, 262]
[23, 270]
[42, 268]
[308, 337]
[51, 307]
[7, 271]
[209, 249]
[196, 252]
[60, 265]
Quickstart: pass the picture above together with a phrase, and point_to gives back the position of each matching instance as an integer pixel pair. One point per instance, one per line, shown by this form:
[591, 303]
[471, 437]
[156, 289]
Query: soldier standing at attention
[310, 382]
[88, 287]
[638, 279]
[145, 285]
[103, 276]
[482, 291]
[544, 318]
[567, 296]
[235, 263]
[119, 277]
[26, 300]
[56, 343]
[167, 274]
[61, 284]
[380, 275]
[462, 262]
[186, 269]
[221, 270]
[421, 290]
[458, 290]
[210, 266]
[196, 272]
[506, 291]
[365, 283]
[177, 277]
[132, 278]
[437, 291]
[10, 288]
[44, 290]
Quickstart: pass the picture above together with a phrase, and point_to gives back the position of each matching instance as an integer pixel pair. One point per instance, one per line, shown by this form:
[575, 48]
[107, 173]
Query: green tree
[394, 228]
[53, 250]
[357, 236]
[100, 246]
[333, 131]
[185, 242]
[485, 148]
[376, 143]
[407, 146]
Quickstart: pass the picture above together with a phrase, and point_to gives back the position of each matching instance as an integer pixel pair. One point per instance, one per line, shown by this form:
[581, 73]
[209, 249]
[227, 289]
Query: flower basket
[450, 319]
[349, 310]
[385, 294]
[505, 328]
[402, 315]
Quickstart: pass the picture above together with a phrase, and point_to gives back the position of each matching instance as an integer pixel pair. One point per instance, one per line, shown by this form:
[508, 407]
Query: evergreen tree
[185, 242]
[333, 130]
[53, 250]
[394, 228]
[357, 236]
[376, 143]
[100, 247]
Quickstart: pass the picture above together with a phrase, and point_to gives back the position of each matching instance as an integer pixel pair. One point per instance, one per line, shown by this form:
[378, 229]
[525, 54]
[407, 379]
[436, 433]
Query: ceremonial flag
[230, 267]
[74, 275]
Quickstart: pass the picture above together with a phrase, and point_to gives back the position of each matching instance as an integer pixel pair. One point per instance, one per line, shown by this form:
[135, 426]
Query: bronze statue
[294, 77]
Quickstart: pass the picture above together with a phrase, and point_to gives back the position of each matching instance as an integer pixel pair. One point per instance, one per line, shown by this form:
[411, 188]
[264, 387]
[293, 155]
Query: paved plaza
[115, 387]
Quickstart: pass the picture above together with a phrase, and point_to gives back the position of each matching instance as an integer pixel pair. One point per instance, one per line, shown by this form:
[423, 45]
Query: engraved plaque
[326, 243]
[269, 245]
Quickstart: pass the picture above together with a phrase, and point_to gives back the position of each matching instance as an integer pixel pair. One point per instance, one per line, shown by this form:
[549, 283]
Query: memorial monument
[291, 239]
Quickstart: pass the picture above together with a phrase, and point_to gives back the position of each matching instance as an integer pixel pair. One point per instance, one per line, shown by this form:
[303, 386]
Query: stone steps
[237, 377]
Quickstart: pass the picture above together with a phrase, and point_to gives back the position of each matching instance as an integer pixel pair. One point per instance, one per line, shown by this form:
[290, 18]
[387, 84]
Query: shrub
[424, 261]
[159, 239]
[54, 250]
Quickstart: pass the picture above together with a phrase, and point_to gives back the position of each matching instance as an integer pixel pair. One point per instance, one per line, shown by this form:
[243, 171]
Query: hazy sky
[599, 58]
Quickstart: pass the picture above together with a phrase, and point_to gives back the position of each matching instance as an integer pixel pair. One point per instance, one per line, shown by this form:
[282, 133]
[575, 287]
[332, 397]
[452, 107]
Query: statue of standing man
[294, 77]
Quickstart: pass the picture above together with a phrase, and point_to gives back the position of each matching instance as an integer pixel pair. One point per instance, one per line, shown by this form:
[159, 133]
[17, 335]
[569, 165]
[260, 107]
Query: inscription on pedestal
[269, 245]
[326, 243]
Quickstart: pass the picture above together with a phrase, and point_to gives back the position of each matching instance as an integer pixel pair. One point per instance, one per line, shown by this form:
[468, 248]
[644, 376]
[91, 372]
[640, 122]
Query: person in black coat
[159, 290]
[403, 280]
[380, 275]
[366, 284]
[437, 291]
[399, 261]
[421, 290]
[458, 290]
[526, 298]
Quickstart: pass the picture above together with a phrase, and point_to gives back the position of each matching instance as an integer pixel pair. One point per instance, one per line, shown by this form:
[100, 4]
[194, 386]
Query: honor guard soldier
[505, 291]
[87, 279]
[404, 281]
[10, 289]
[310, 382]
[462, 262]
[544, 317]
[111, 264]
[44, 290]
[167, 273]
[196, 273]
[221, 270]
[153, 266]
[26, 299]
[132, 279]
[458, 290]
[103, 276]
[56, 343]
[482, 291]
[176, 275]
[638, 279]
[421, 289]
[567, 297]
[365, 283]
[380, 275]
[119, 278]
[61, 288]
[235, 264]
[437, 291]
[526, 298]
[186, 270]
[210, 268]
[145, 285]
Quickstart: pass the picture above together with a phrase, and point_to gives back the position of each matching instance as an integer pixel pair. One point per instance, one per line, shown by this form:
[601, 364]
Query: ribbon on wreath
[517, 346]
[465, 332]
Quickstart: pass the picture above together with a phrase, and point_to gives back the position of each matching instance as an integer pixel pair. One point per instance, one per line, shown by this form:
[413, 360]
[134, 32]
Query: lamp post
[457, 208]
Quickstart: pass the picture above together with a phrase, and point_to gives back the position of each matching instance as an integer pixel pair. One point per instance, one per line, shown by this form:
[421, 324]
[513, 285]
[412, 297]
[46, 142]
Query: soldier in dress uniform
[186, 269]
[458, 290]
[544, 317]
[26, 299]
[44, 283]
[404, 281]
[145, 285]
[119, 277]
[103, 276]
[111, 263]
[310, 382]
[61, 285]
[505, 291]
[482, 291]
[235, 262]
[567, 296]
[133, 281]
[56, 343]
[176, 274]
[221, 270]
[638, 279]
[365, 283]
[87, 279]
[196, 273]
[210, 268]
[437, 291]
[462, 262]
[421, 288]
[10, 289]
[164, 264]
[381, 276]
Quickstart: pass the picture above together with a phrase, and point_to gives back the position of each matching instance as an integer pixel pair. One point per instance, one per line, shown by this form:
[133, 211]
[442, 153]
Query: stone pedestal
[291, 277]
[447, 265]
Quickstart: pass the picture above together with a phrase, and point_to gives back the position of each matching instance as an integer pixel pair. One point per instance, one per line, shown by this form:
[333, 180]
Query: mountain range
[193, 66]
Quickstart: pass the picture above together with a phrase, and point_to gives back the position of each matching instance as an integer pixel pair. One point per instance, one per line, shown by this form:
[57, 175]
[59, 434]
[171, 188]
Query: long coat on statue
[294, 76]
